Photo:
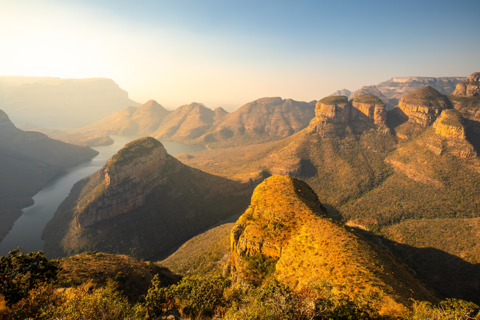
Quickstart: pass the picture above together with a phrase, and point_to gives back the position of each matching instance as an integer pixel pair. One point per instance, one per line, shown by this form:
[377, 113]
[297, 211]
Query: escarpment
[124, 181]
[336, 116]
[286, 226]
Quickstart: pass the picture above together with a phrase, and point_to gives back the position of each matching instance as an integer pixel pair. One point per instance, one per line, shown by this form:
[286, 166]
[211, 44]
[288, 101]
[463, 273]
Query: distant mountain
[343, 92]
[391, 91]
[28, 160]
[259, 121]
[141, 202]
[64, 103]
[142, 120]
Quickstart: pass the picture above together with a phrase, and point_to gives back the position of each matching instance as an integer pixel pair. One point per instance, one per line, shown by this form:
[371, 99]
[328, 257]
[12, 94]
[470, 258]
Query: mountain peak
[124, 182]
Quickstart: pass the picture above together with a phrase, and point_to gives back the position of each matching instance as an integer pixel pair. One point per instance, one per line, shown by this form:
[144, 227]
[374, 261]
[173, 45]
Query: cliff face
[335, 115]
[469, 87]
[424, 105]
[286, 224]
[126, 180]
[372, 90]
[141, 202]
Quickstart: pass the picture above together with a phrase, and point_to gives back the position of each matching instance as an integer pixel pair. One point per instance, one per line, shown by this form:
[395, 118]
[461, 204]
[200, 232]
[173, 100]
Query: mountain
[421, 165]
[140, 203]
[55, 102]
[343, 92]
[259, 121]
[287, 225]
[142, 121]
[28, 160]
[372, 90]
[391, 91]
[187, 123]
[205, 254]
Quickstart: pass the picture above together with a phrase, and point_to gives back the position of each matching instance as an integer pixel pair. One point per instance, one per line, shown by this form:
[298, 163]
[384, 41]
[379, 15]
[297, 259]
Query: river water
[27, 230]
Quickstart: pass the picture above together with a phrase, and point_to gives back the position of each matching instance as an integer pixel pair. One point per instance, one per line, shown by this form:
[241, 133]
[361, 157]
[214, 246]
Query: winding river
[27, 230]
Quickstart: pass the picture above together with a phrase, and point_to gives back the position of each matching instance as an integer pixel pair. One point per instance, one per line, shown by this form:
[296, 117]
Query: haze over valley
[254, 160]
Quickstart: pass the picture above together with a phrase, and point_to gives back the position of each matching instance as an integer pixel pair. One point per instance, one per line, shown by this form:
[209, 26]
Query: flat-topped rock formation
[469, 87]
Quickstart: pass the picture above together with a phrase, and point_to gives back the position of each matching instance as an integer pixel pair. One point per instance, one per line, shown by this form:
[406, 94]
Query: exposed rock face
[129, 177]
[286, 224]
[369, 108]
[343, 92]
[335, 115]
[424, 105]
[469, 87]
[450, 127]
[142, 202]
[331, 117]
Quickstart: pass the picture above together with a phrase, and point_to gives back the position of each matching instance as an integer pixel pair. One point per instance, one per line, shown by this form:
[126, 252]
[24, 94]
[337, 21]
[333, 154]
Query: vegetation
[368, 98]
[202, 255]
[334, 100]
[20, 273]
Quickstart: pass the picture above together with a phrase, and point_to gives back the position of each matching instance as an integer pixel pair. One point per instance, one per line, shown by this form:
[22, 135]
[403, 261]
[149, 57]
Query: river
[27, 230]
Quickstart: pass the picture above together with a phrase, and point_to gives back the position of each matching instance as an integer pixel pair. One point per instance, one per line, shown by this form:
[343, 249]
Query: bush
[20, 272]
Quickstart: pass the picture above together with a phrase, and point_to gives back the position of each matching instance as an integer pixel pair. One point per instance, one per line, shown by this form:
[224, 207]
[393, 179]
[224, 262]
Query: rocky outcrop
[332, 115]
[469, 87]
[126, 180]
[424, 105]
[335, 115]
[450, 127]
[288, 227]
[369, 108]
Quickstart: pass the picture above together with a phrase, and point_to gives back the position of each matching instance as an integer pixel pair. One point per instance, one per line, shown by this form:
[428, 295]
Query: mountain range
[28, 160]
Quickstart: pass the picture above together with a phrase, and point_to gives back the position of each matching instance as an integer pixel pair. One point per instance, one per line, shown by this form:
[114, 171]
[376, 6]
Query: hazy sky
[231, 52]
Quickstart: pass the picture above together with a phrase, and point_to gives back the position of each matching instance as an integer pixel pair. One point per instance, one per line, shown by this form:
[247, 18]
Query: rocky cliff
[141, 202]
[372, 90]
[450, 136]
[286, 225]
[126, 180]
[469, 87]
[423, 106]
[335, 115]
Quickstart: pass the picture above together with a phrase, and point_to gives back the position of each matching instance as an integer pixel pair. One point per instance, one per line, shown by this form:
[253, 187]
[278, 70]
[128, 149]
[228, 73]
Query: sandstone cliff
[423, 106]
[141, 202]
[335, 115]
[287, 225]
[469, 87]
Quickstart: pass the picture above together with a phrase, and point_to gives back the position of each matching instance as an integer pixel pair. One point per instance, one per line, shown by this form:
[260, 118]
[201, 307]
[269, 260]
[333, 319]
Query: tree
[20, 272]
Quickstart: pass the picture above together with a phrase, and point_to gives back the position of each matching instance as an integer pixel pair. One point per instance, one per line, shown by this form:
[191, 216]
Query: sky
[227, 53]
